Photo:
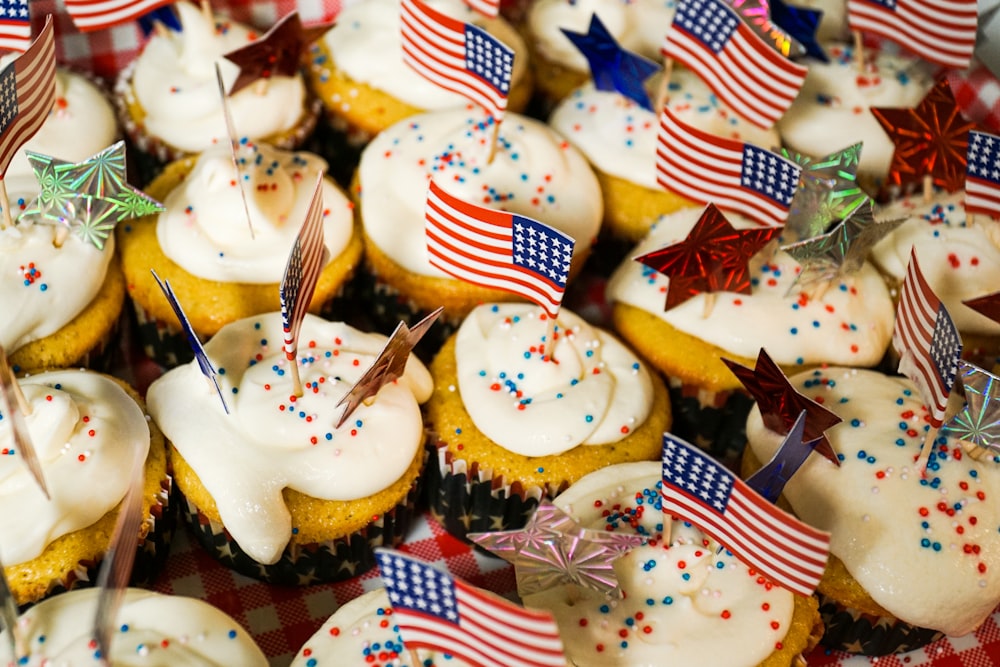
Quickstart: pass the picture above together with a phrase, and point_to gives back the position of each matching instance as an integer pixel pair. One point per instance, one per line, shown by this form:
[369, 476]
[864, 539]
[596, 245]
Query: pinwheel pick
[800, 23]
[770, 480]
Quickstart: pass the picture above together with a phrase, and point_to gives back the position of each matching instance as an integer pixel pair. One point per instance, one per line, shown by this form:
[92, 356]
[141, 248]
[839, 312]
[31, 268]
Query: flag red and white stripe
[90, 15]
[28, 89]
[941, 31]
[746, 73]
[15, 25]
[490, 8]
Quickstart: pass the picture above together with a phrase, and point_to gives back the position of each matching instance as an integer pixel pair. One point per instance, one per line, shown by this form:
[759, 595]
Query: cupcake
[220, 268]
[153, 629]
[515, 419]
[85, 428]
[535, 173]
[619, 138]
[913, 553]
[357, 68]
[851, 324]
[685, 601]
[168, 99]
[271, 488]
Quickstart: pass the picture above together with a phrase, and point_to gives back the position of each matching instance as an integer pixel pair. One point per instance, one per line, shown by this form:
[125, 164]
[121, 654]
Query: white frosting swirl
[926, 548]
[365, 45]
[85, 430]
[637, 25]
[959, 261]
[204, 228]
[831, 111]
[269, 441]
[619, 137]
[535, 173]
[684, 604]
[850, 325]
[174, 81]
[592, 389]
[153, 629]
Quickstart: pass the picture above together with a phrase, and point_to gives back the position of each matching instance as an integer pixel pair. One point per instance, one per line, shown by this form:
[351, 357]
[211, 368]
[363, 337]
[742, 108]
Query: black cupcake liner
[853, 631]
[713, 421]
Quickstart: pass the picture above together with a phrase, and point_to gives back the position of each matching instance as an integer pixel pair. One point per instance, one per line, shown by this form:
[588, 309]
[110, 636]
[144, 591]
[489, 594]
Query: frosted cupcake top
[153, 629]
[271, 440]
[925, 546]
[174, 81]
[685, 603]
[535, 173]
[850, 325]
[365, 45]
[204, 228]
[537, 399]
[85, 430]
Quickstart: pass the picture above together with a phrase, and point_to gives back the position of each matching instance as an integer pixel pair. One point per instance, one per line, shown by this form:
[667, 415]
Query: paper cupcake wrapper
[304, 564]
[467, 498]
[339, 146]
[160, 341]
[712, 420]
[852, 631]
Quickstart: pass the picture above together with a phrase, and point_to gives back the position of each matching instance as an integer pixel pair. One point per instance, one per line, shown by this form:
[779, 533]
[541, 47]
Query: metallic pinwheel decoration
[277, 53]
[758, 15]
[554, 549]
[800, 24]
[770, 480]
[612, 67]
[828, 191]
[88, 197]
[388, 365]
[979, 421]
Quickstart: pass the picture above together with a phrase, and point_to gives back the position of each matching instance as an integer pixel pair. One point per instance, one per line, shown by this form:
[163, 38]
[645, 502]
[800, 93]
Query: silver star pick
[979, 421]
[828, 191]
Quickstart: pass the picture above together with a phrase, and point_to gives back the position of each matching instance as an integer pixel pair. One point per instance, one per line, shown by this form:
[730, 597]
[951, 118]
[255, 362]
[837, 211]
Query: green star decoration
[92, 220]
[101, 175]
[828, 191]
[979, 421]
[132, 203]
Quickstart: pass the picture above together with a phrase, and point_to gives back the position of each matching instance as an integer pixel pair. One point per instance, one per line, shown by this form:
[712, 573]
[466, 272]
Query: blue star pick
[612, 67]
[800, 23]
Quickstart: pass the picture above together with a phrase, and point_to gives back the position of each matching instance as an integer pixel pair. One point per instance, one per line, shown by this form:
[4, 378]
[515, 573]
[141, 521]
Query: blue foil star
[613, 68]
[800, 23]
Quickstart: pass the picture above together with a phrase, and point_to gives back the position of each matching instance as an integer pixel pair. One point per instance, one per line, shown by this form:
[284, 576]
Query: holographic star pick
[931, 139]
[388, 366]
[713, 258]
[800, 24]
[780, 404]
[757, 15]
[612, 67]
[979, 420]
[828, 191]
[770, 480]
[278, 53]
[554, 549]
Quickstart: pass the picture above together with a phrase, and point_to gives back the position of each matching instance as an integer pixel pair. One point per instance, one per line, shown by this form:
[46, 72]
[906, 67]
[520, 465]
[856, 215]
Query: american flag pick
[27, 91]
[90, 15]
[15, 25]
[941, 31]
[490, 8]
[459, 57]
[498, 249]
[982, 177]
[436, 611]
[927, 341]
[701, 491]
[734, 175]
[710, 39]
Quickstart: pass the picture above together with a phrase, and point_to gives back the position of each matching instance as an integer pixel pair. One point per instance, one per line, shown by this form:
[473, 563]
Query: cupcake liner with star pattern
[713, 420]
[854, 631]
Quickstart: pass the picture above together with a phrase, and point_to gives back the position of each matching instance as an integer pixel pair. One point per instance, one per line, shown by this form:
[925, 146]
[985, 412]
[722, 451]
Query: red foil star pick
[987, 305]
[931, 139]
[713, 258]
[780, 404]
[278, 53]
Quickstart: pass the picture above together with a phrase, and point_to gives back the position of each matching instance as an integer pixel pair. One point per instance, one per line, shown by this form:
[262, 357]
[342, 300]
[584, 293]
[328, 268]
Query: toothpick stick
[710, 299]
[925, 449]
[549, 342]
[859, 51]
[663, 89]
[206, 10]
[928, 188]
[297, 389]
[62, 233]
[160, 29]
[415, 657]
[8, 221]
[260, 87]
[493, 141]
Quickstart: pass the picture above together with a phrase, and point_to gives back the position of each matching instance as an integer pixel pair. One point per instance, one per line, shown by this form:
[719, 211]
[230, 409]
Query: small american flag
[498, 249]
[15, 25]
[701, 491]
[90, 15]
[926, 340]
[436, 611]
[745, 72]
[457, 56]
[942, 31]
[27, 93]
[490, 8]
[733, 175]
[982, 176]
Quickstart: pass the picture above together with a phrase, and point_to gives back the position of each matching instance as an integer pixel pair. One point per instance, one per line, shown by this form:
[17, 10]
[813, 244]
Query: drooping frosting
[924, 546]
[619, 137]
[204, 228]
[686, 601]
[365, 45]
[638, 26]
[535, 399]
[535, 173]
[175, 83]
[831, 111]
[851, 324]
[152, 630]
[85, 430]
[959, 260]
[270, 440]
